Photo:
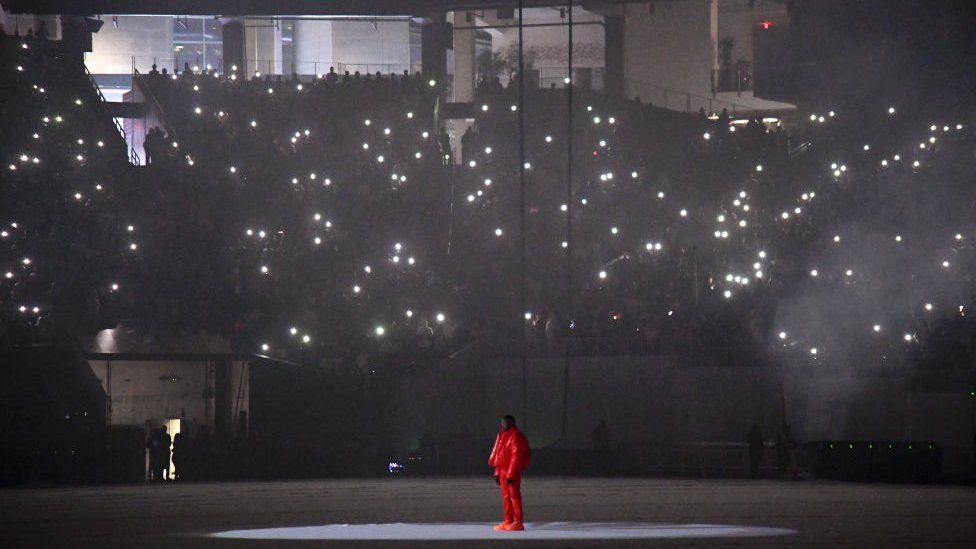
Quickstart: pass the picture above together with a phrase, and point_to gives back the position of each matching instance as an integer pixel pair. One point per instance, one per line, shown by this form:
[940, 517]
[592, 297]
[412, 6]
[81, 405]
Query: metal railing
[316, 68]
[104, 102]
[138, 77]
[677, 100]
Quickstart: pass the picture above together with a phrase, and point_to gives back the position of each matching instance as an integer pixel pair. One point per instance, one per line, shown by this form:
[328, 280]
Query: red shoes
[510, 527]
[501, 526]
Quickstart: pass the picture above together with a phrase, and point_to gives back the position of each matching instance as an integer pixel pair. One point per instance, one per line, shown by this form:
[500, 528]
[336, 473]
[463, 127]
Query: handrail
[688, 95]
[147, 91]
[94, 84]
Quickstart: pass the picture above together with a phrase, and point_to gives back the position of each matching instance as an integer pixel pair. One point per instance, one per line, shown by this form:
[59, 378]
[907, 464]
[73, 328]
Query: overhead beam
[261, 7]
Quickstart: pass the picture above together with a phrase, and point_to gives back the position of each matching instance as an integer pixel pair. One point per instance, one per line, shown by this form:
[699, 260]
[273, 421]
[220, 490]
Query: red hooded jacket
[510, 456]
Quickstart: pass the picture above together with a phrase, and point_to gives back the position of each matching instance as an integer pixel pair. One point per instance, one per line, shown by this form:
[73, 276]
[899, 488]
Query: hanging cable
[521, 109]
[569, 222]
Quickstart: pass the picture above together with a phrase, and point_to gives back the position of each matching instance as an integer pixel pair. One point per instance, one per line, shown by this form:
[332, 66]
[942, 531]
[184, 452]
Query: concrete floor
[181, 515]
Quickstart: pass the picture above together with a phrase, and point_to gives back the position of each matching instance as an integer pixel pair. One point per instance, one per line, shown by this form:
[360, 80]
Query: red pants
[512, 499]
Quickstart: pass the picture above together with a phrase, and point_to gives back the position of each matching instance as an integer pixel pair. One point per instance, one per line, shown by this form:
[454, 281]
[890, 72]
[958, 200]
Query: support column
[233, 45]
[435, 38]
[613, 75]
[314, 47]
[465, 64]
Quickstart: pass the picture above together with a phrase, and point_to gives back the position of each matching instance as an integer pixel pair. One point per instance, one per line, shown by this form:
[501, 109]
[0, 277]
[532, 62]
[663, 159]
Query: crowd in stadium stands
[329, 219]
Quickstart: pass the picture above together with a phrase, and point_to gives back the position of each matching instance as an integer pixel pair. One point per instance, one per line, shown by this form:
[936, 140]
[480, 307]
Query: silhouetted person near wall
[162, 461]
[602, 449]
[179, 455]
[158, 446]
[152, 447]
[784, 451]
[755, 440]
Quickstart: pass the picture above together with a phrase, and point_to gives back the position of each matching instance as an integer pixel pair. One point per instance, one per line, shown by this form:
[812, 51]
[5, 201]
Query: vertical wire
[522, 296]
[569, 220]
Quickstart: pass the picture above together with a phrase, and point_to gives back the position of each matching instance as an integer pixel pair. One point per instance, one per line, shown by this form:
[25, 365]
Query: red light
[765, 24]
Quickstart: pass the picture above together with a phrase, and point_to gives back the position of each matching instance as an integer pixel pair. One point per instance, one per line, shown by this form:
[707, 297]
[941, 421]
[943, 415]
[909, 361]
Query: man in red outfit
[509, 458]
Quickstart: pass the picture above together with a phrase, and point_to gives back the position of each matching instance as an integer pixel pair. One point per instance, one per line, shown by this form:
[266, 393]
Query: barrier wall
[658, 402]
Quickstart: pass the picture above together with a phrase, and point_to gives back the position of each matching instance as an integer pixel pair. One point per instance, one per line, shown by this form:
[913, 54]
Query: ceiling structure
[282, 7]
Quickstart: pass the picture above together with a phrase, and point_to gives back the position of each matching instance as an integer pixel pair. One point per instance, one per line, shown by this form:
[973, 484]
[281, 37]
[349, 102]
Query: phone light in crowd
[928, 306]
[891, 110]
[707, 136]
[602, 275]
[814, 273]
[432, 83]
[898, 238]
[306, 338]
[498, 232]
[114, 286]
[409, 313]
[759, 168]
[440, 317]
[133, 246]
[813, 351]
[265, 347]
[356, 289]
[254, 123]
[548, 139]
[683, 213]
[908, 337]
[379, 331]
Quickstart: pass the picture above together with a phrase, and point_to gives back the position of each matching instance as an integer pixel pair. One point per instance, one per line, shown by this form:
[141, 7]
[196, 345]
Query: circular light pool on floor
[484, 531]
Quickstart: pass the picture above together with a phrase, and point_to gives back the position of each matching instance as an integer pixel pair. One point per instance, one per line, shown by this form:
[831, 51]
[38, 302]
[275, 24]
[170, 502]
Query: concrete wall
[142, 392]
[672, 47]
[670, 53]
[262, 47]
[376, 44]
[551, 42]
[146, 38]
[641, 398]
[313, 46]
[658, 400]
